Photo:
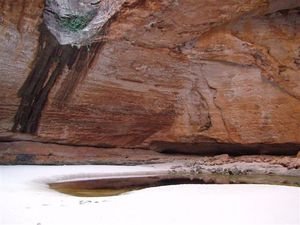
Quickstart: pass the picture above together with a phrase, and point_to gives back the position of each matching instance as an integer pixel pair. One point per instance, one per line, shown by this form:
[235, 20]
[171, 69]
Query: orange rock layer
[169, 75]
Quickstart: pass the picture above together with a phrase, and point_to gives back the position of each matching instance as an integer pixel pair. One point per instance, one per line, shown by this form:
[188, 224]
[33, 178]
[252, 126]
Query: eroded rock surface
[177, 73]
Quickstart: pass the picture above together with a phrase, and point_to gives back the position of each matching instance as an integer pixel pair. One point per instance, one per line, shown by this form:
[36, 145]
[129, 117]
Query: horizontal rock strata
[183, 74]
[44, 153]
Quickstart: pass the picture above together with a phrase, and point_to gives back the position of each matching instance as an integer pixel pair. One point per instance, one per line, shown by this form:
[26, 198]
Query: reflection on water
[116, 186]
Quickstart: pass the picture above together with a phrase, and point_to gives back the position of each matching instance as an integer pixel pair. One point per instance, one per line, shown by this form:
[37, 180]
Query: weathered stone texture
[183, 71]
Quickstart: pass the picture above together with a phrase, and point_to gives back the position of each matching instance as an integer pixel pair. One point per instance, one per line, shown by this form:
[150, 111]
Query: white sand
[25, 199]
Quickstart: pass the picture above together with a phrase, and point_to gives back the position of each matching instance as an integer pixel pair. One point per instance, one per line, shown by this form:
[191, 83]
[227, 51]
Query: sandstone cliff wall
[165, 75]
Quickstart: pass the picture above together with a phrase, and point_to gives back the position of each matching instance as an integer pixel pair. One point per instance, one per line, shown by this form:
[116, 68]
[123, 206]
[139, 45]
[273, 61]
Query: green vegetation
[75, 23]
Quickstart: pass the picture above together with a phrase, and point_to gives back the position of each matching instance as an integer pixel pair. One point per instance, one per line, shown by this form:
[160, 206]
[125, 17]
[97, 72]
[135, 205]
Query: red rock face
[168, 72]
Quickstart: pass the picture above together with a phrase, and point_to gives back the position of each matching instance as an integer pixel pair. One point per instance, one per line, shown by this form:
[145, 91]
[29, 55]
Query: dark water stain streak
[49, 64]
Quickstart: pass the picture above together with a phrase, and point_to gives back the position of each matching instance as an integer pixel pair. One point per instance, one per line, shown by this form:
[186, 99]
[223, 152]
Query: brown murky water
[116, 186]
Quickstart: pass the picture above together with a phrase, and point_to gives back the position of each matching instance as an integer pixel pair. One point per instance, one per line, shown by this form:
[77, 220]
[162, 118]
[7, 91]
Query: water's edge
[115, 185]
